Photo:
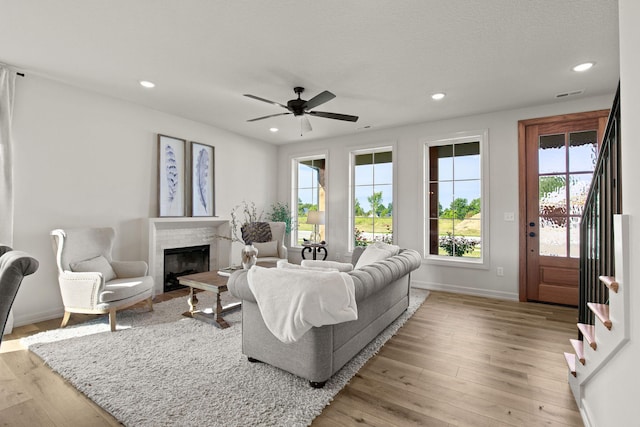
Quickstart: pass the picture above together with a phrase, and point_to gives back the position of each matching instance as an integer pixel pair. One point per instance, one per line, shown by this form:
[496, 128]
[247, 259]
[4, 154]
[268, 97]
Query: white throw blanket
[293, 301]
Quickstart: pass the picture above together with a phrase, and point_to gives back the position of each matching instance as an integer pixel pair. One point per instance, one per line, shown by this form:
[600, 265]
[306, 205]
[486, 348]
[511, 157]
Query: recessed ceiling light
[147, 84]
[438, 96]
[273, 129]
[583, 67]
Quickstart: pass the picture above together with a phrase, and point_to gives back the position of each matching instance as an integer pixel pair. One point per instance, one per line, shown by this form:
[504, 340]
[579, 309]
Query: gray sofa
[382, 294]
[14, 265]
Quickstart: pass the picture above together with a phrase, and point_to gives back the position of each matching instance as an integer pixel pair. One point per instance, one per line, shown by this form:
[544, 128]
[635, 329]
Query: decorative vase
[249, 256]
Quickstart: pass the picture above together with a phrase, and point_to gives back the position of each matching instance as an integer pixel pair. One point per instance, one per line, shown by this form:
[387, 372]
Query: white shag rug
[163, 369]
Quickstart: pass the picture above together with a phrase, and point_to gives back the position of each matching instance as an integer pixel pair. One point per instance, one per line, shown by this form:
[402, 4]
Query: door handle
[532, 234]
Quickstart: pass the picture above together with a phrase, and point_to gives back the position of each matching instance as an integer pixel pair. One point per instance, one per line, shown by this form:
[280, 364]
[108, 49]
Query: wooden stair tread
[610, 282]
[578, 347]
[571, 362]
[588, 332]
[602, 313]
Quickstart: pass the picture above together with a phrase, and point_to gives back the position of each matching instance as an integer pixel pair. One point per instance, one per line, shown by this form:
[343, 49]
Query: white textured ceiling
[382, 59]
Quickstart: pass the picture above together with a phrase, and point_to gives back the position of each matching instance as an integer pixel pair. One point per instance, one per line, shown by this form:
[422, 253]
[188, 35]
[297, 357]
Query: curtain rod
[12, 68]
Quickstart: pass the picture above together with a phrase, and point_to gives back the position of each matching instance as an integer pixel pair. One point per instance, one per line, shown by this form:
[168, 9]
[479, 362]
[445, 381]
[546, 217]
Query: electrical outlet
[500, 271]
[509, 216]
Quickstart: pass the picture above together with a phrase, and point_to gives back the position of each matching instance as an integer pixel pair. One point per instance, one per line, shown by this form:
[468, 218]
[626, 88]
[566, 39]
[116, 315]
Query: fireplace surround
[170, 233]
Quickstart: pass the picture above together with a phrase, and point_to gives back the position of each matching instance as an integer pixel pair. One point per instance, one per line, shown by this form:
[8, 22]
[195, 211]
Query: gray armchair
[91, 282]
[14, 265]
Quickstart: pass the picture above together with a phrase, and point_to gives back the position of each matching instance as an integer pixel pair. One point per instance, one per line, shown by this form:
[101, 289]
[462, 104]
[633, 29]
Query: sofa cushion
[98, 264]
[376, 252]
[267, 249]
[253, 232]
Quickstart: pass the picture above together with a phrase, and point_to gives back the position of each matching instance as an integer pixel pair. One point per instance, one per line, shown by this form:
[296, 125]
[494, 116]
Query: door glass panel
[553, 236]
[552, 156]
[574, 237]
[583, 151]
[553, 195]
[578, 190]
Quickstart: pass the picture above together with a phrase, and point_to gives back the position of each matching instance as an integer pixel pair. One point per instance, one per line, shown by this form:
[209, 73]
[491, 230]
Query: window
[372, 201]
[455, 198]
[309, 194]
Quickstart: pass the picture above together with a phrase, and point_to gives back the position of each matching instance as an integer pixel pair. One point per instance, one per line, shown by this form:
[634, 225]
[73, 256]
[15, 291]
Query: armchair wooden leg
[150, 302]
[112, 319]
[65, 319]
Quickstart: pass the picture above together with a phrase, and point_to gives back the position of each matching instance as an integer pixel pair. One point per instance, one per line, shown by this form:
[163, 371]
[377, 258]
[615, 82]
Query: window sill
[456, 262]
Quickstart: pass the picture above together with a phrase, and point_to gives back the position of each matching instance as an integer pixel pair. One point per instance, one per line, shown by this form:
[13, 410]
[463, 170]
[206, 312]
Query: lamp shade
[315, 217]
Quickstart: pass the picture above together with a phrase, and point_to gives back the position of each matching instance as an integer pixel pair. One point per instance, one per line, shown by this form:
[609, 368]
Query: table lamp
[316, 218]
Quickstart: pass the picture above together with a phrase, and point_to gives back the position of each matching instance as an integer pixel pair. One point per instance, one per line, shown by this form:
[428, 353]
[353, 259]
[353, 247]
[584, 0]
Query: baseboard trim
[511, 296]
[54, 313]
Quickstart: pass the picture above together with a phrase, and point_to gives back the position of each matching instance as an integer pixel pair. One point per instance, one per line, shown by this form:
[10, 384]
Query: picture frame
[202, 180]
[171, 176]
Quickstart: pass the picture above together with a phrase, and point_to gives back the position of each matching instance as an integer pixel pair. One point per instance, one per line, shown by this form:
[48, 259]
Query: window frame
[353, 152]
[294, 162]
[481, 136]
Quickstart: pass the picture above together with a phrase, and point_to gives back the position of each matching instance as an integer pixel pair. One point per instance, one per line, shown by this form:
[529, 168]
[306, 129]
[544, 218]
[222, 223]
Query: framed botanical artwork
[202, 180]
[171, 176]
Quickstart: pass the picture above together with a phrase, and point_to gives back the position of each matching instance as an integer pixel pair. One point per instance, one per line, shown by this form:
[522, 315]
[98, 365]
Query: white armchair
[91, 282]
[269, 250]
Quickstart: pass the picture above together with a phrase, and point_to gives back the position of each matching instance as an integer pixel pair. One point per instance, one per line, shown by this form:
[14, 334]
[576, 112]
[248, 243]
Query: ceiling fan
[300, 108]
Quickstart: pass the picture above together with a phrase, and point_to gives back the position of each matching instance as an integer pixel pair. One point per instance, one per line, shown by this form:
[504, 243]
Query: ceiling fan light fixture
[147, 84]
[300, 108]
[273, 130]
[438, 96]
[583, 67]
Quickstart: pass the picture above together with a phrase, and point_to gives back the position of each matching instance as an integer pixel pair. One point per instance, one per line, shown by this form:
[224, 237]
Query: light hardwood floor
[459, 361]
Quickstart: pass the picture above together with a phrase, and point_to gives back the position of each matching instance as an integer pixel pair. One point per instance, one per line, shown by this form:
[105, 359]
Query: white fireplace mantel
[169, 232]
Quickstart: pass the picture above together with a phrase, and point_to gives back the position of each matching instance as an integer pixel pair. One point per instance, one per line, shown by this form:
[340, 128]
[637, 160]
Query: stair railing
[596, 229]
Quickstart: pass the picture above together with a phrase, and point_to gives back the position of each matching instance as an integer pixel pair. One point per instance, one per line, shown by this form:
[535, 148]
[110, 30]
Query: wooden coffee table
[207, 281]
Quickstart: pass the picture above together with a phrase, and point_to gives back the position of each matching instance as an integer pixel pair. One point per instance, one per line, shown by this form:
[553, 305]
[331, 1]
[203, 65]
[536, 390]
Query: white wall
[408, 211]
[83, 159]
[611, 398]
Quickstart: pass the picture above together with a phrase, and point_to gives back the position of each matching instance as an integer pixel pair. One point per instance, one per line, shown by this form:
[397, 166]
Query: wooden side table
[314, 248]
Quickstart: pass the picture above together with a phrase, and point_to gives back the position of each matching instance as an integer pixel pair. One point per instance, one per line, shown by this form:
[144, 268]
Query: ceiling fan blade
[336, 116]
[319, 99]
[265, 100]
[266, 117]
[305, 125]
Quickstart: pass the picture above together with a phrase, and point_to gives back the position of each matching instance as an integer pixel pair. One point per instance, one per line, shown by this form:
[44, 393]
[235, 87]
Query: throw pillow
[393, 249]
[376, 252]
[253, 232]
[98, 264]
[267, 249]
